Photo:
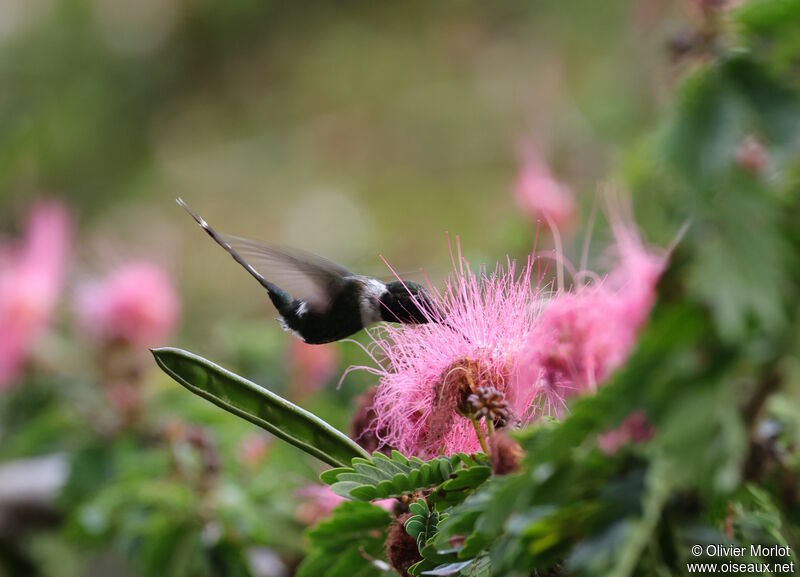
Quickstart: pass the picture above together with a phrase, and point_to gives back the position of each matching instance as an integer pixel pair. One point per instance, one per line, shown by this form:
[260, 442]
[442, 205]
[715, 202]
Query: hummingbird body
[321, 301]
[355, 306]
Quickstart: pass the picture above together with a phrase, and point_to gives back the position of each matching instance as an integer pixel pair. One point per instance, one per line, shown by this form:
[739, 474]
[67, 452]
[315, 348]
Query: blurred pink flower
[540, 196]
[319, 501]
[31, 278]
[634, 429]
[752, 155]
[135, 304]
[311, 366]
[583, 335]
[253, 449]
[426, 371]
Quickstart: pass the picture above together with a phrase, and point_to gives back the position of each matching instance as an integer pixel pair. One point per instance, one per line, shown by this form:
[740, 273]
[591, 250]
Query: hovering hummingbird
[319, 300]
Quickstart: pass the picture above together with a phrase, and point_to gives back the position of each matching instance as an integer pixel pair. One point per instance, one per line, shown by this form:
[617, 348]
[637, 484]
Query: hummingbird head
[406, 302]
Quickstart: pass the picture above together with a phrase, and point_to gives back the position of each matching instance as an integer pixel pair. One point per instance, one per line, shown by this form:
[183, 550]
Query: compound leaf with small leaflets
[382, 477]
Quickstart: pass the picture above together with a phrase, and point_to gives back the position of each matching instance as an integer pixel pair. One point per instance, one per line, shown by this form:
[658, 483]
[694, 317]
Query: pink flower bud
[752, 156]
[541, 197]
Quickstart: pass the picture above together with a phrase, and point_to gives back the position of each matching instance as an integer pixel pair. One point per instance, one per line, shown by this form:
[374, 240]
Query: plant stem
[490, 426]
[479, 433]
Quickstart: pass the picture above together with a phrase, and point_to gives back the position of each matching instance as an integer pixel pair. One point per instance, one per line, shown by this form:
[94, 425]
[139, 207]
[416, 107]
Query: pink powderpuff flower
[583, 335]
[428, 371]
[311, 366]
[502, 337]
[541, 197]
[31, 279]
[136, 304]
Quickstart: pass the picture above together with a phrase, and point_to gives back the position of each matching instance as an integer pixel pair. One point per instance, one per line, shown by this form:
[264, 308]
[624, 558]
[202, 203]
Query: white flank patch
[289, 329]
[369, 303]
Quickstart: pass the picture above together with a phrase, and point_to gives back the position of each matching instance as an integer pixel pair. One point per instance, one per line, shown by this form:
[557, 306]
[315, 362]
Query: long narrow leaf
[259, 406]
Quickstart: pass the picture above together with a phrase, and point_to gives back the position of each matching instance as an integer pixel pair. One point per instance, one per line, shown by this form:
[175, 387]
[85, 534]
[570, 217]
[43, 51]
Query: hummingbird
[318, 300]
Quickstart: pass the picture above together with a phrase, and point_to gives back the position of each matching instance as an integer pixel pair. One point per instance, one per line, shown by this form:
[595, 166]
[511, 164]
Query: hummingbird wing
[305, 276]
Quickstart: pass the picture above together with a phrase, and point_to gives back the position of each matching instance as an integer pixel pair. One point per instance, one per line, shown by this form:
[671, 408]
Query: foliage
[382, 477]
[423, 523]
[348, 543]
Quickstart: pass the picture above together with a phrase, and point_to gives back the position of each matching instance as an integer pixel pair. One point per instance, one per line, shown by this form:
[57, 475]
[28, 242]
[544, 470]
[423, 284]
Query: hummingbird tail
[278, 296]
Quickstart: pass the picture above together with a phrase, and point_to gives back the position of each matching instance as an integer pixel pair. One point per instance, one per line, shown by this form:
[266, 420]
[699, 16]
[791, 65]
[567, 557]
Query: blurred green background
[353, 129]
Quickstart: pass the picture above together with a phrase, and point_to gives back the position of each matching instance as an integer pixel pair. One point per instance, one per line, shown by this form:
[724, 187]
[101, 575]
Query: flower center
[455, 392]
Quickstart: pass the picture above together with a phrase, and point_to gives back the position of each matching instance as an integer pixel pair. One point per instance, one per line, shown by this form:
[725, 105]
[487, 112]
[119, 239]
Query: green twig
[479, 433]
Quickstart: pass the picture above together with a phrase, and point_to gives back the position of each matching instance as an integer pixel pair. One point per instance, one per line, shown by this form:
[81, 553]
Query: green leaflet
[422, 523]
[259, 406]
[382, 477]
[479, 567]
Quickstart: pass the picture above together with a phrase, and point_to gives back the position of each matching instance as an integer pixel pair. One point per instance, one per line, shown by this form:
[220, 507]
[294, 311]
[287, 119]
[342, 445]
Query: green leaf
[480, 567]
[450, 568]
[348, 543]
[259, 406]
[383, 477]
[770, 27]
[460, 484]
[758, 519]
[632, 535]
